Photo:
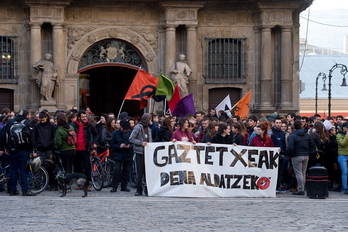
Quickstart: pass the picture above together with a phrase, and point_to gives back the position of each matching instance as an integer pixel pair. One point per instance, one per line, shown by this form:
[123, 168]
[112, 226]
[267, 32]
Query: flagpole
[119, 112]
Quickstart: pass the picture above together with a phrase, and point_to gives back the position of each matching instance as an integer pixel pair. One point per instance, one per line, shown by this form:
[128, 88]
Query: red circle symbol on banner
[263, 183]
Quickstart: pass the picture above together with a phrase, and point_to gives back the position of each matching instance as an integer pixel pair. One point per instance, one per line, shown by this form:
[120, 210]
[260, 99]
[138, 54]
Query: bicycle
[97, 173]
[107, 165]
[38, 180]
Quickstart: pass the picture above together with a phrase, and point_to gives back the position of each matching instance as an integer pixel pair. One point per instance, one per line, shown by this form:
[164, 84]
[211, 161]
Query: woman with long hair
[182, 133]
[223, 135]
[166, 130]
[213, 128]
[262, 139]
[321, 138]
[108, 130]
[67, 152]
[237, 137]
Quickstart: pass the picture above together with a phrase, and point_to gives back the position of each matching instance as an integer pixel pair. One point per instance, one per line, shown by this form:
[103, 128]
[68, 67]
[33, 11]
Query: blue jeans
[343, 161]
[18, 160]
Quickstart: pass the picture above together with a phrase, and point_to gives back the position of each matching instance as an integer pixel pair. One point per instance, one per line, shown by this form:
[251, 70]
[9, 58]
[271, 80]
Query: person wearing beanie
[140, 136]
[123, 156]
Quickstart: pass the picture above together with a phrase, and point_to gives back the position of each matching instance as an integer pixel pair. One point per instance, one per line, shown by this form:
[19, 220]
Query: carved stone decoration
[134, 40]
[113, 33]
[76, 56]
[76, 33]
[91, 39]
[149, 57]
[149, 35]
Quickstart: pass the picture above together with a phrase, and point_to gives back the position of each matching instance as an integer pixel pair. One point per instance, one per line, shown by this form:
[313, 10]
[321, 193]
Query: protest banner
[183, 169]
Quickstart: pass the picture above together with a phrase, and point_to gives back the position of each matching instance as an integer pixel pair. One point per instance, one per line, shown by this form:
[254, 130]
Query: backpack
[71, 138]
[19, 134]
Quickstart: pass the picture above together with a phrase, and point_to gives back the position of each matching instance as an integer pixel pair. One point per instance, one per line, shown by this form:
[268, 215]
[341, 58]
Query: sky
[327, 25]
[329, 4]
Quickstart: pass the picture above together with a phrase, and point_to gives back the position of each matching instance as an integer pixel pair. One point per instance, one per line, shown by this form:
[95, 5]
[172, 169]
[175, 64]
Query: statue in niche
[46, 78]
[180, 73]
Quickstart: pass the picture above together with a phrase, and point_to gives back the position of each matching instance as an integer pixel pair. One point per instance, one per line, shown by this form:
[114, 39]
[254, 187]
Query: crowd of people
[303, 142]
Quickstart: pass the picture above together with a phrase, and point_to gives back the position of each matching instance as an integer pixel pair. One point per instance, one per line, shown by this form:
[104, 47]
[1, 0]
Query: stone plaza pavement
[122, 211]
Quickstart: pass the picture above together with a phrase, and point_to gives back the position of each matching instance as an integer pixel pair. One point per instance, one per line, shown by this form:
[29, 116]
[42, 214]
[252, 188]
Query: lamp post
[344, 83]
[321, 74]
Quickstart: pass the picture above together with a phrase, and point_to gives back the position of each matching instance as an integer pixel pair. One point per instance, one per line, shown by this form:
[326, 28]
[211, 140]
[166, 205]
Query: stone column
[35, 56]
[286, 68]
[59, 53]
[266, 67]
[192, 60]
[170, 49]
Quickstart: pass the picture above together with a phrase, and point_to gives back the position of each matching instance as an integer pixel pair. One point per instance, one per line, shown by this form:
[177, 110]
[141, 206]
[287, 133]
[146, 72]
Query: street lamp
[321, 74]
[344, 83]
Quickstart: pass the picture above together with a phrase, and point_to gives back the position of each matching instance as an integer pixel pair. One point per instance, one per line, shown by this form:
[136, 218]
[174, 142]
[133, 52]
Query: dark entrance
[6, 99]
[218, 94]
[103, 90]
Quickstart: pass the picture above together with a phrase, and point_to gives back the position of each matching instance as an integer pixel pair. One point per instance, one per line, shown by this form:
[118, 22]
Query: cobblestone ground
[122, 211]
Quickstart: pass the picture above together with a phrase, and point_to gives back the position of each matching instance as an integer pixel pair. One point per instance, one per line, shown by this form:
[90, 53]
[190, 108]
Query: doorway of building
[103, 89]
[6, 99]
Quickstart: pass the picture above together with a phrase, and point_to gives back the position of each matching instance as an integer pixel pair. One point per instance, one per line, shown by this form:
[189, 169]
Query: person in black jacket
[19, 154]
[299, 147]
[165, 131]
[223, 136]
[123, 155]
[42, 135]
[278, 138]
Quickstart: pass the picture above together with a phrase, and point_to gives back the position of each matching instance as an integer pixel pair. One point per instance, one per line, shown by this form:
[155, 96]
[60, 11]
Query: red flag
[175, 98]
[142, 88]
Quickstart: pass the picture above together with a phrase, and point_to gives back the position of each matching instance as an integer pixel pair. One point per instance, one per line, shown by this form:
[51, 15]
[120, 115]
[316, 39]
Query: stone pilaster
[286, 68]
[35, 56]
[170, 49]
[59, 55]
[192, 60]
[266, 67]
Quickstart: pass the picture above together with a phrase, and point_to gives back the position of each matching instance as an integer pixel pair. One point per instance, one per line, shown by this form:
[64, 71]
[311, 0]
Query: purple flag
[184, 106]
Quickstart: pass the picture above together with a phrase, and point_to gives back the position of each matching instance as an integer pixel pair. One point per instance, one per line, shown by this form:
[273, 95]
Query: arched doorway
[103, 90]
[107, 70]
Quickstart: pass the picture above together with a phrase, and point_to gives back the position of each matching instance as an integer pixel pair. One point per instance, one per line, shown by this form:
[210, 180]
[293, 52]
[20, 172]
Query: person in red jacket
[261, 139]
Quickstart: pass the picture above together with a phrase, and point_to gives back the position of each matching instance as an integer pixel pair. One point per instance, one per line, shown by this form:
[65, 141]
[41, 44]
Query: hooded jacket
[61, 137]
[300, 144]
[43, 136]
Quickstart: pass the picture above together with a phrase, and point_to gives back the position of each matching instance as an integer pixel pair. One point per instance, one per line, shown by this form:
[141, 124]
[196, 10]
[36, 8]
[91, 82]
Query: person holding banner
[223, 136]
[140, 137]
[262, 138]
[182, 133]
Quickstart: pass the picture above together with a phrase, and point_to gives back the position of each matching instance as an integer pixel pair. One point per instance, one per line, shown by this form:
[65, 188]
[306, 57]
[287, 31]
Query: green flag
[165, 87]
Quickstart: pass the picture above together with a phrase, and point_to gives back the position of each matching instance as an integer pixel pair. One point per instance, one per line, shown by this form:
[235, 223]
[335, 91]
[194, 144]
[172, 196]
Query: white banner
[218, 170]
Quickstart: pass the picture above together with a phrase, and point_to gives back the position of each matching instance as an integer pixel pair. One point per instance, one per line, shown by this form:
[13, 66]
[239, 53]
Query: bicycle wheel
[108, 168]
[38, 180]
[97, 175]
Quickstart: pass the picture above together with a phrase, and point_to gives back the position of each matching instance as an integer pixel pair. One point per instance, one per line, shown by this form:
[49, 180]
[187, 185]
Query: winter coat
[137, 138]
[300, 144]
[278, 138]
[218, 138]
[6, 133]
[342, 142]
[164, 134]
[61, 138]
[257, 141]
[90, 133]
[43, 136]
[119, 137]
[238, 139]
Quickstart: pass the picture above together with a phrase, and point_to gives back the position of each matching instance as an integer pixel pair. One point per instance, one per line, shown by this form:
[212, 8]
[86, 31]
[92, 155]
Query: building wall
[271, 30]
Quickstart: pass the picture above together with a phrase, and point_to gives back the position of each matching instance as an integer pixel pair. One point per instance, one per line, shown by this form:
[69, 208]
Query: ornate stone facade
[159, 31]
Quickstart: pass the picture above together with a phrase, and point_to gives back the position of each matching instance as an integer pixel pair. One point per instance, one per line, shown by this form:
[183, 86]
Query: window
[8, 67]
[226, 60]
